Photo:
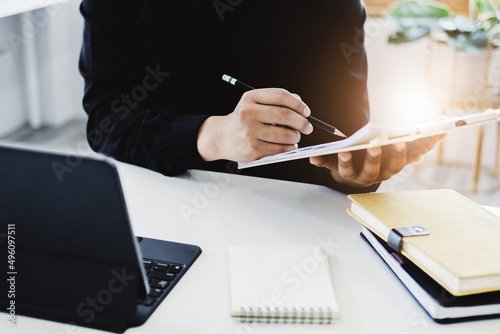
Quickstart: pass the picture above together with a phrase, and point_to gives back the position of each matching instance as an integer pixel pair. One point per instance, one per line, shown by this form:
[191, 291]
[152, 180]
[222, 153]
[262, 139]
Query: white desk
[244, 210]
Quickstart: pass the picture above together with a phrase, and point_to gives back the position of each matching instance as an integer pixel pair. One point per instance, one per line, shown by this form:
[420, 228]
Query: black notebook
[441, 306]
[74, 257]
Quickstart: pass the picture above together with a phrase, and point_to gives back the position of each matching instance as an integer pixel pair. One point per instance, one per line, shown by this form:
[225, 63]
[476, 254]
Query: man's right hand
[265, 122]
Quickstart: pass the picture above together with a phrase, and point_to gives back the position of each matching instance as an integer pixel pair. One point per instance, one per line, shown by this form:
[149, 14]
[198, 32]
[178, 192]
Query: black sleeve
[119, 74]
[341, 98]
[132, 121]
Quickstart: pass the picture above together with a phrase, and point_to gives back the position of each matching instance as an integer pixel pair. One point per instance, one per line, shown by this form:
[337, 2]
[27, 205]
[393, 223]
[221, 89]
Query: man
[155, 98]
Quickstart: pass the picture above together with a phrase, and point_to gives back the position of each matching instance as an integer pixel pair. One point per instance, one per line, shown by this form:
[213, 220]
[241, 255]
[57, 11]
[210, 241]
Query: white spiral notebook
[281, 284]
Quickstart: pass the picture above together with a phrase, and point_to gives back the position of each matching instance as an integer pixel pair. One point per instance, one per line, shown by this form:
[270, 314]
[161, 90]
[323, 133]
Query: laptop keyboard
[160, 275]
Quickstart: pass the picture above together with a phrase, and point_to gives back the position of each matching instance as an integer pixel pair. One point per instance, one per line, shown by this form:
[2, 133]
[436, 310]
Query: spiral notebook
[281, 284]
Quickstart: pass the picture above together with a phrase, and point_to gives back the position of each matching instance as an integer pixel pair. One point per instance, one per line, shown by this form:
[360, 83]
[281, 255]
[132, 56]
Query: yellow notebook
[462, 250]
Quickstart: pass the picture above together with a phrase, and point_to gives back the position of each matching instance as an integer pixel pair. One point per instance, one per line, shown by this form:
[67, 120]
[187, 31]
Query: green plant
[414, 19]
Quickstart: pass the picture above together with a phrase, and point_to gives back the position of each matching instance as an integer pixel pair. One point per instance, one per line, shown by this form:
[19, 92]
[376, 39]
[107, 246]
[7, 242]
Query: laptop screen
[73, 240]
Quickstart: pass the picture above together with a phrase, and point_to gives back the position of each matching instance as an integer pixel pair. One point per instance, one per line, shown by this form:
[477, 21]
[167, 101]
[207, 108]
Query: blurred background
[426, 59]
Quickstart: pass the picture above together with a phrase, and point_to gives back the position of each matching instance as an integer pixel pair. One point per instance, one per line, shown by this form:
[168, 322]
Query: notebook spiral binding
[318, 315]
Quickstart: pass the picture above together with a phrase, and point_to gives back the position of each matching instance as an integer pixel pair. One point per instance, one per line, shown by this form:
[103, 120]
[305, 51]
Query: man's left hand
[377, 164]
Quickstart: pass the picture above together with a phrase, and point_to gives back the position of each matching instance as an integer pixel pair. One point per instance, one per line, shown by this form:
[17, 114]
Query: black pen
[315, 122]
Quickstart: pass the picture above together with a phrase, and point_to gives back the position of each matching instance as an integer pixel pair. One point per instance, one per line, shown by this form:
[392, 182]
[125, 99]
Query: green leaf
[408, 35]
[414, 19]
[482, 6]
[418, 9]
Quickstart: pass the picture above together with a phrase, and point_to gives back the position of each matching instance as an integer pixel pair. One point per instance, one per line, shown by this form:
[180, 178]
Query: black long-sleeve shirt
[153, 70]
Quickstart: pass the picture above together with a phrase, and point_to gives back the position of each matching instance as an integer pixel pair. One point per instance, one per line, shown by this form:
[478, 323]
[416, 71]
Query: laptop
[68, 249]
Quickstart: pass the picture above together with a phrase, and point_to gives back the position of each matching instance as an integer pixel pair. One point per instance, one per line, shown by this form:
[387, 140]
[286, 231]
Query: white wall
[57, 33]
[399, 95]
[12, 106]
[396, 78]
[61, 83]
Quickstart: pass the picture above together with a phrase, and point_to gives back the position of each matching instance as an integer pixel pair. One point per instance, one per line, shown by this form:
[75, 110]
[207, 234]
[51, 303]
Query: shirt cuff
[185, 148]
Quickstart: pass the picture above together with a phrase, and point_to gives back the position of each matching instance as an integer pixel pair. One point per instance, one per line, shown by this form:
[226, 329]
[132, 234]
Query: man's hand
[250, 132]
[374, 165]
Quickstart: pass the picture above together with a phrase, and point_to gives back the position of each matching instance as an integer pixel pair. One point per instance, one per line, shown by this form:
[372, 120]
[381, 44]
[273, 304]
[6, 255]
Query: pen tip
[340, 134]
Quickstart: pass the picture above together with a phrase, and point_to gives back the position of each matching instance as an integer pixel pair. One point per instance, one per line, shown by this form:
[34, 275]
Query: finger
[396, 162]
[260, 149]
[279, 97]
[419, 147]
[371, 166]
[328, 161]
[438, 138]
[427, 143]
[345, 166]
[317, 161]
[283, 116]
[277, 134]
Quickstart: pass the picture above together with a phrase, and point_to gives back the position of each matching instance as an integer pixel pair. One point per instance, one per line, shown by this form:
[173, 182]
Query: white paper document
[373, 135]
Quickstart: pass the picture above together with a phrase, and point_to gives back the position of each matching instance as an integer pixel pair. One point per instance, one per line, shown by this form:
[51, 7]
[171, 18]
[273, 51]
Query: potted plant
[414, 19]
[463, 62]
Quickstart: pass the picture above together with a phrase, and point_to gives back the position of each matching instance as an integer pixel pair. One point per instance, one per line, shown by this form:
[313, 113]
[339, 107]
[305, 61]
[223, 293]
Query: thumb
[317, 161]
